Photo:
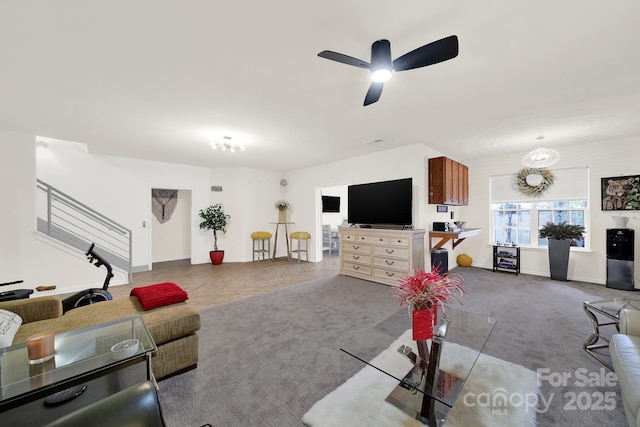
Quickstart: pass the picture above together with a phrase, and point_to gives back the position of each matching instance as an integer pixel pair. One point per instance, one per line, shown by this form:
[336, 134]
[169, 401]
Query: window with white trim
[519, 222]
[515, 218]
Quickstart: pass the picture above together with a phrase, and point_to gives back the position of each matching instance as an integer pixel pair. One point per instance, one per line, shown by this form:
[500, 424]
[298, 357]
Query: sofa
[173, 327]
[624, 348]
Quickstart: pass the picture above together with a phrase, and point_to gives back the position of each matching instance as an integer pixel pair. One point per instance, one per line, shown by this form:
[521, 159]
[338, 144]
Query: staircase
[76, 225]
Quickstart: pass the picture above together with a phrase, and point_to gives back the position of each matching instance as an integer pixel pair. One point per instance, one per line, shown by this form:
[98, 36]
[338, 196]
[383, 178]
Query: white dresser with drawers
[380, 255]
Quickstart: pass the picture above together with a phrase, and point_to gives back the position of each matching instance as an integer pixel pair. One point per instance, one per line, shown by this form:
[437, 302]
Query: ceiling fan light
[380, 75]
[541, 158]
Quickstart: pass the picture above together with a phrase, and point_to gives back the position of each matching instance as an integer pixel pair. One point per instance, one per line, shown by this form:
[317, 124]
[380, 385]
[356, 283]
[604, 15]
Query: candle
[40, 347]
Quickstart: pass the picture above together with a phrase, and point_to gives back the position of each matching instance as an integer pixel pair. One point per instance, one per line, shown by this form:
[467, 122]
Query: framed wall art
[620, 193]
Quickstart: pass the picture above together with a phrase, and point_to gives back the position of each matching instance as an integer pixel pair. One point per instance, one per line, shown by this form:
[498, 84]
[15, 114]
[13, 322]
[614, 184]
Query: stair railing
[70, 221]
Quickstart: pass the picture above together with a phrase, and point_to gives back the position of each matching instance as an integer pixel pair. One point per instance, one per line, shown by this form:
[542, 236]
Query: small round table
[286, 237]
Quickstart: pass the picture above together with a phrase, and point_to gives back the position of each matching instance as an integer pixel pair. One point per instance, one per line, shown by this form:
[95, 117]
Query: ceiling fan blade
[429, 54]
[381, 54]
[345, 59]
[373, 94]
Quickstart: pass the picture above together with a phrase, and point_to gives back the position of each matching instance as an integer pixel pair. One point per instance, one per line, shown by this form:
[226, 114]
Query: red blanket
[160, 294]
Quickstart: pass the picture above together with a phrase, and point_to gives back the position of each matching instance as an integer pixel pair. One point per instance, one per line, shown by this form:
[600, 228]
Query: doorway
[333, 213]
[171, 239]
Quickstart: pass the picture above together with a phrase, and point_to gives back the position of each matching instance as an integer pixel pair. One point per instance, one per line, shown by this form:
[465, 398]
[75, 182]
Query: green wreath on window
[525, 181]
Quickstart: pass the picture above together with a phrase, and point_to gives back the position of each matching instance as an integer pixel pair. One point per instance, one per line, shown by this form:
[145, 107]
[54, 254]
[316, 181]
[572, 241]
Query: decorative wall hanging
[533, 182]
[620, 193]
[163, 203]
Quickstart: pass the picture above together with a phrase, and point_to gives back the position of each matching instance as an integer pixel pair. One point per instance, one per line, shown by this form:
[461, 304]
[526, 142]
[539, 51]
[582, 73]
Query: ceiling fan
[381, 64]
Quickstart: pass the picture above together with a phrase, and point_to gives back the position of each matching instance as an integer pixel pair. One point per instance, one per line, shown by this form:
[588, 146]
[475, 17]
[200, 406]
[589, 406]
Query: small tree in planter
[214, 218]
[560, 237]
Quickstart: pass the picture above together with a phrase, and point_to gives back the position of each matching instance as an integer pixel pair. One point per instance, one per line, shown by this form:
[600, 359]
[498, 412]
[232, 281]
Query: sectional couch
[173, 327]
[625, 358]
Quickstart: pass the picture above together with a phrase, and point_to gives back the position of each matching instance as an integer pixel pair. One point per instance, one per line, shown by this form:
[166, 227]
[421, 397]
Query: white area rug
[498, 393]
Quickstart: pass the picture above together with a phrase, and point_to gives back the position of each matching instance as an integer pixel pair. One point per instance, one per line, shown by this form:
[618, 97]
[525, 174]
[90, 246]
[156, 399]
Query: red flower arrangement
[423, 290]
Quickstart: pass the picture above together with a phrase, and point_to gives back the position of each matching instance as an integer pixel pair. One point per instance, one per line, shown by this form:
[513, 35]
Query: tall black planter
[559, 258]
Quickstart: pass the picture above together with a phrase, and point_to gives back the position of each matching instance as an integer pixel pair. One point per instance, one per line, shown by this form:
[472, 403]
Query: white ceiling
[159, 79]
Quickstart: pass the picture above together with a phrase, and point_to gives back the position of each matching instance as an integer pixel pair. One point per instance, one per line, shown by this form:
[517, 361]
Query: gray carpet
[264, 361]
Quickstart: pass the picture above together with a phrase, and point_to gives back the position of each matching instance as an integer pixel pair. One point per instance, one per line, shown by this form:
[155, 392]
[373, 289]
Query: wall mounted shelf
[457, 237]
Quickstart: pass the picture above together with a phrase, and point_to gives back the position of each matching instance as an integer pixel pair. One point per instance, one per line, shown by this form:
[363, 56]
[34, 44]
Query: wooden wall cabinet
[448, 182]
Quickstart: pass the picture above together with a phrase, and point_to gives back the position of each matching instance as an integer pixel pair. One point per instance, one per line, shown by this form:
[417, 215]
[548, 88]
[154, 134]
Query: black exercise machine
[94, 295]
[15, 294]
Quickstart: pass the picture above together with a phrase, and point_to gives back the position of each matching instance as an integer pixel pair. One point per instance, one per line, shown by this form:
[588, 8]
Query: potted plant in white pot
[214, 218]
[560, 237]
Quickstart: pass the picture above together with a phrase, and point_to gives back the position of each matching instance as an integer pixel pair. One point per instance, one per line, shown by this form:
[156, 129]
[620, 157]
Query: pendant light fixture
[540, 157]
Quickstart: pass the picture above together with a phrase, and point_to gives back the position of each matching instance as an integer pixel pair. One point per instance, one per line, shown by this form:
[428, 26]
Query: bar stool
[259, 238]
[300, 235]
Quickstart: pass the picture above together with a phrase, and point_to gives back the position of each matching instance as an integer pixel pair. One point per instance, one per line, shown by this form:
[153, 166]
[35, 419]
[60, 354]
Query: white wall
[22, 256]
[612, 158]
[249, 197]
[165, 175]
[122, 187]
[404, 162]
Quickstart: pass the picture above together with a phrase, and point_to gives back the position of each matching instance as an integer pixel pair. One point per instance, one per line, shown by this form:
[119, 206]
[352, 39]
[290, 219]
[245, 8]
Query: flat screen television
[381, 203]
[330, 204]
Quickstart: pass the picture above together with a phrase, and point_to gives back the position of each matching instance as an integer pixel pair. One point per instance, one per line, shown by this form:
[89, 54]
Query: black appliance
[384, 203]
[440, 260]
[330, 203]
[441, 226]
[14, 294]
[620, 255]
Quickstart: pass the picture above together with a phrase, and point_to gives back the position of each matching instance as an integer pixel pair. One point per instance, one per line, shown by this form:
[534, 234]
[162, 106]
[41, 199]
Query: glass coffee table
[609, 311]
[430, 378]
[83, 360]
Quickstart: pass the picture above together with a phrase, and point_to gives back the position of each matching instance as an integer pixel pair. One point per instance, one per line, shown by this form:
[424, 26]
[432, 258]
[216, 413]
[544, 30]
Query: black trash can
[440, 260]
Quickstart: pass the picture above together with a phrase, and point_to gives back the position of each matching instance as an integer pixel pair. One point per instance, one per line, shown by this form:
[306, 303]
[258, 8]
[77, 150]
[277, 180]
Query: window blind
[568, 184]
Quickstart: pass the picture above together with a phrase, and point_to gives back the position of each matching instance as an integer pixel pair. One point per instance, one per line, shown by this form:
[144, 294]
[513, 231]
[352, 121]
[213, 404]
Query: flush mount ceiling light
[540, 158]
[226, 146]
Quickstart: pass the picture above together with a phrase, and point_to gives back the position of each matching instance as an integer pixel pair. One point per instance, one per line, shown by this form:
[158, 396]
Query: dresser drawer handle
[390, 274]
[381, 240]
[389, 251]
[398, 241]
[356, 247]
[389, 262]
[356, 257]
[356, 267]
[361, 237]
